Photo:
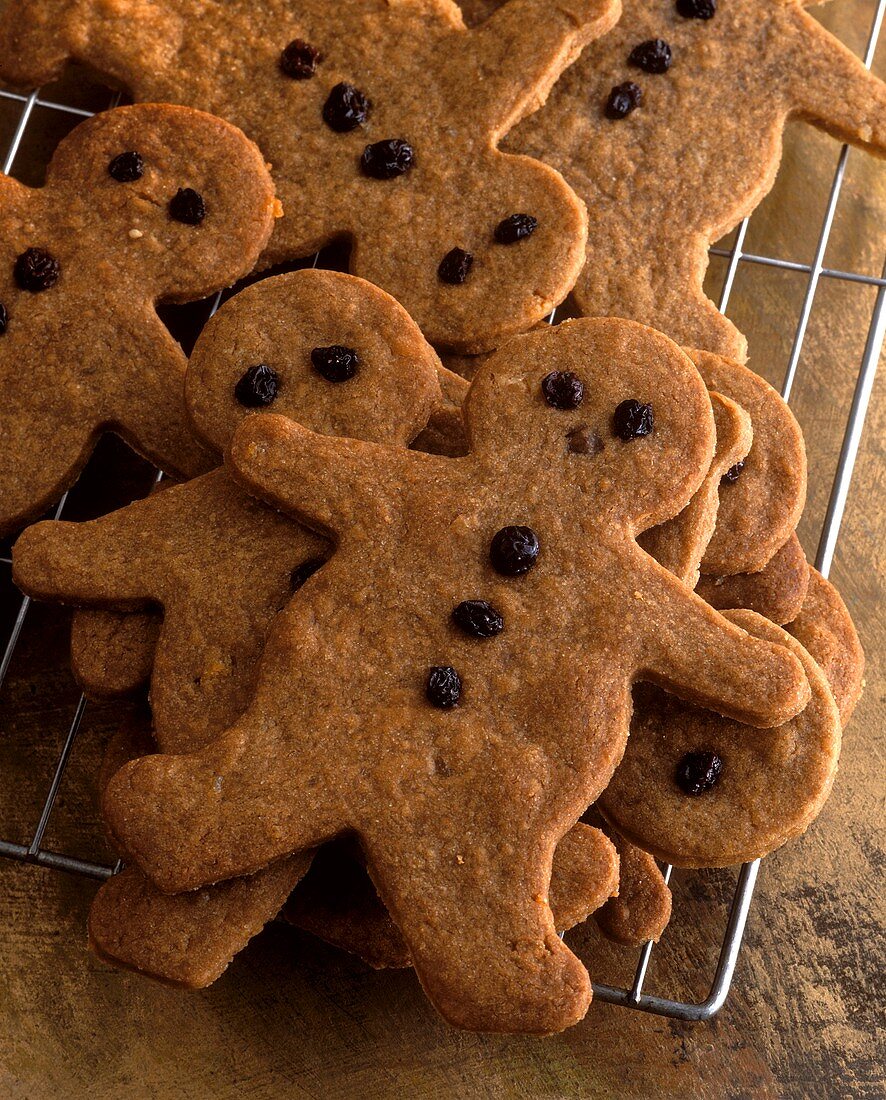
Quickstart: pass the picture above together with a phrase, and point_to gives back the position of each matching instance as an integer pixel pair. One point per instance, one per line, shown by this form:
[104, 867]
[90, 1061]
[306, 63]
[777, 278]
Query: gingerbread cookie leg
[642, 909]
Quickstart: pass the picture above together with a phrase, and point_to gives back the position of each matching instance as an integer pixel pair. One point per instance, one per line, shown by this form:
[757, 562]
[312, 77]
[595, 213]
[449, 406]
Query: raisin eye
[562, 389]
[697, 772]
[632, 420]
[187, 206]
[514, 228]
[733, 473]
[36, 270]
[345, 109]
[336, 363]
[299, 60]
[443, 688]
[258, 387]
[127, 167]
[623, 99]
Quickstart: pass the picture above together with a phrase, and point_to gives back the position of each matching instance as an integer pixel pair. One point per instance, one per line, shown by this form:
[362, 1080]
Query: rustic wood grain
[294, 1019]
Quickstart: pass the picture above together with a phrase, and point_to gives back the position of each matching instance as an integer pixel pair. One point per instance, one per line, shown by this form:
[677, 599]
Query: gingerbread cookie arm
[833, 89]
[34, 41]
[707, 660]
[314, 476]
[642, 909]
[537, 39]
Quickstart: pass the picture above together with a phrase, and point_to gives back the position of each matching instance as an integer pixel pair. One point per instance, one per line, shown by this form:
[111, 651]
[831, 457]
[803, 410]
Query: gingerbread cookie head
[390, 146]
[326, 349]
[140, 204]
[635, 438]
[698, 790]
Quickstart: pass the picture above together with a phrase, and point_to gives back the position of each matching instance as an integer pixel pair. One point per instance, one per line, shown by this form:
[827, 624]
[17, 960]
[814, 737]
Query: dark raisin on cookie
[258, 387]
[345, 109]
[562, 389]
[697, 772]
[385, 160]
[36, 270]
[455, 266]
[697, 9]
[335, 363]
[632, 419]
[623, 99]
[514, 551]
[299, 60]
[187, 206]
[127, 167]
[583, 441]
[478, 618]
[443, 688]
[4, 318]
[514, 228]
[304, 572]
[734, 473]
[652, 56]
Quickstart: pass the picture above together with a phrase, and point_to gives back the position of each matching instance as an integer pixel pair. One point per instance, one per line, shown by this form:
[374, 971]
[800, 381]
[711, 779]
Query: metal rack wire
[34, 852]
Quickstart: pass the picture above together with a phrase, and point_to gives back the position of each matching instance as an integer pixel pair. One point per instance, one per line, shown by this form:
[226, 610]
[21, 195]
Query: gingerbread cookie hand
[140, 204]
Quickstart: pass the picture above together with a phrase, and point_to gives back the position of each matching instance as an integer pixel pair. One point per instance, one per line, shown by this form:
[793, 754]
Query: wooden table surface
[291, 1018]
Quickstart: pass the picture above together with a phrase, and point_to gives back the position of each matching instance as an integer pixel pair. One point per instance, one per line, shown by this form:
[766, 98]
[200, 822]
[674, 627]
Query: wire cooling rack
[36, 853]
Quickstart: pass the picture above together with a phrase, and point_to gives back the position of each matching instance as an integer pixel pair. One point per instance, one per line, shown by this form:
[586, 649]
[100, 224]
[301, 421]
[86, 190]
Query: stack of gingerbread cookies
[452, 621]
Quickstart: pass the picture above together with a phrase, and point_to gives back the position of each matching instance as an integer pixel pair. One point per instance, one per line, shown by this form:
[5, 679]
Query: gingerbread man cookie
[382, 122]
[447, 726]
[141, 204]
[699, 790]
[777, 592]
[670, 130]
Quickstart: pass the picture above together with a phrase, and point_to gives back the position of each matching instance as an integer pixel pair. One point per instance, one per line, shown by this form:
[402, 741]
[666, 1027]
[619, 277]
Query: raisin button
[632, 420]
[514, 551]
[127, 168]
[345, 108]
[299, 60]
[562, 389]
[444, 686]
[697, 772]
[623, 99]
[652, 56]
[697, 9]
[187, 206]
[455, 266]
[36, 270]
[336, 364]
[304, 572]
[478, 618]
[734, 473]
[258, 387]
[387, 159]
[4, 318]
[514, 228]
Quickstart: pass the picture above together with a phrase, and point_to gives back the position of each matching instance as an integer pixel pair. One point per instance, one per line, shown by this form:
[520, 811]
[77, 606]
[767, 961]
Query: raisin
[514, 551]
[697, 772]
[455, 266]
[478, 618]
[583, 441]
[697, 9]
[187, 206]
[336, 363]
[258, 387]
[387, 159]
[303, 572]
[4, 318]
[632, 420]
[299, 60]
[345, 109]
[36, 270]
[562, 389]
[623, 99]
[652, 56]
[444, 686]
[734, 473]
[127, 167]
[514, 228]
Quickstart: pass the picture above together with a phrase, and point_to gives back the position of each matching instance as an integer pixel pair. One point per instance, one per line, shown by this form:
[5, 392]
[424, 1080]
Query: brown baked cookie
[337, 902]
[112, 652]
[381, 122]
[433, 596]
[679, 545]
[670, 130]
[320, 345]
[777, 592]
[825, 629]
[762, 501]
[141, 204]
[699, 790]
[642, 909]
